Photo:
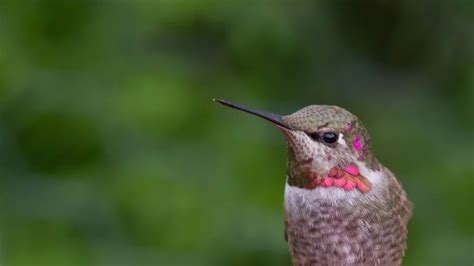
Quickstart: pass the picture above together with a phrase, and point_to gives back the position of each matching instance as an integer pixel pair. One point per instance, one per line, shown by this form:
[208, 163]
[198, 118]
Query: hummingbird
[342, 206]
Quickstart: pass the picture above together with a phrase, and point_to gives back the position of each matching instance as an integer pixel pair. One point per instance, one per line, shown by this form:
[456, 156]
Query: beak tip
[226, 103]
[217, 100]
[274, 118]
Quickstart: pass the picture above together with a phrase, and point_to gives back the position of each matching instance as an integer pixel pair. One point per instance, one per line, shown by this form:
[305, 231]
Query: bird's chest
[326, 232]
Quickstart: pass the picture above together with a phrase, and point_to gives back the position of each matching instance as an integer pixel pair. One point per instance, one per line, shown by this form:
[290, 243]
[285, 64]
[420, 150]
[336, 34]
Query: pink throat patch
[348, 179]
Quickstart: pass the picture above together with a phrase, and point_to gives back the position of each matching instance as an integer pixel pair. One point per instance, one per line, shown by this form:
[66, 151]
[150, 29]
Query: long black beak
[274, 118]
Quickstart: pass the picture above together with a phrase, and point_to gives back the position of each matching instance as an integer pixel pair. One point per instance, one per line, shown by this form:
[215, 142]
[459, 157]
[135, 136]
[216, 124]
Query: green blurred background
[112, 152]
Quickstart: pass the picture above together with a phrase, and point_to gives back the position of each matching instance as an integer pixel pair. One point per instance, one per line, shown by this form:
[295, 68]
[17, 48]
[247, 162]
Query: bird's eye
[330, 137]
[314, 135]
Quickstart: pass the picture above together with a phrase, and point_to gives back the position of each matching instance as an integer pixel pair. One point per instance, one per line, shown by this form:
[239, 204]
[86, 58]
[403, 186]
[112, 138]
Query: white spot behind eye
[341, 140]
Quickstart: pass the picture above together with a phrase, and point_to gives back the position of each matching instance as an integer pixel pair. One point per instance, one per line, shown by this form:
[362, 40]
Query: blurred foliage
[114, 154]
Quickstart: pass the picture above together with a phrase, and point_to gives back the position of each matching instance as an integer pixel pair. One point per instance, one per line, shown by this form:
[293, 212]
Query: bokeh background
[112, 152]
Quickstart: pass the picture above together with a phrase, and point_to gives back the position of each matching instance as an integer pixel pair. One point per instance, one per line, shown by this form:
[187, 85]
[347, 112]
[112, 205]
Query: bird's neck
[297, 198]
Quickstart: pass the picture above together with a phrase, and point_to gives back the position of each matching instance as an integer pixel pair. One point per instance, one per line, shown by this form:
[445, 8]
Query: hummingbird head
[327, 147]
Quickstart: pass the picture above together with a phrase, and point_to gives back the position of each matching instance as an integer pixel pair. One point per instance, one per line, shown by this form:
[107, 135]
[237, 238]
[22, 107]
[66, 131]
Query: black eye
[314, 135]
[330, 137]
